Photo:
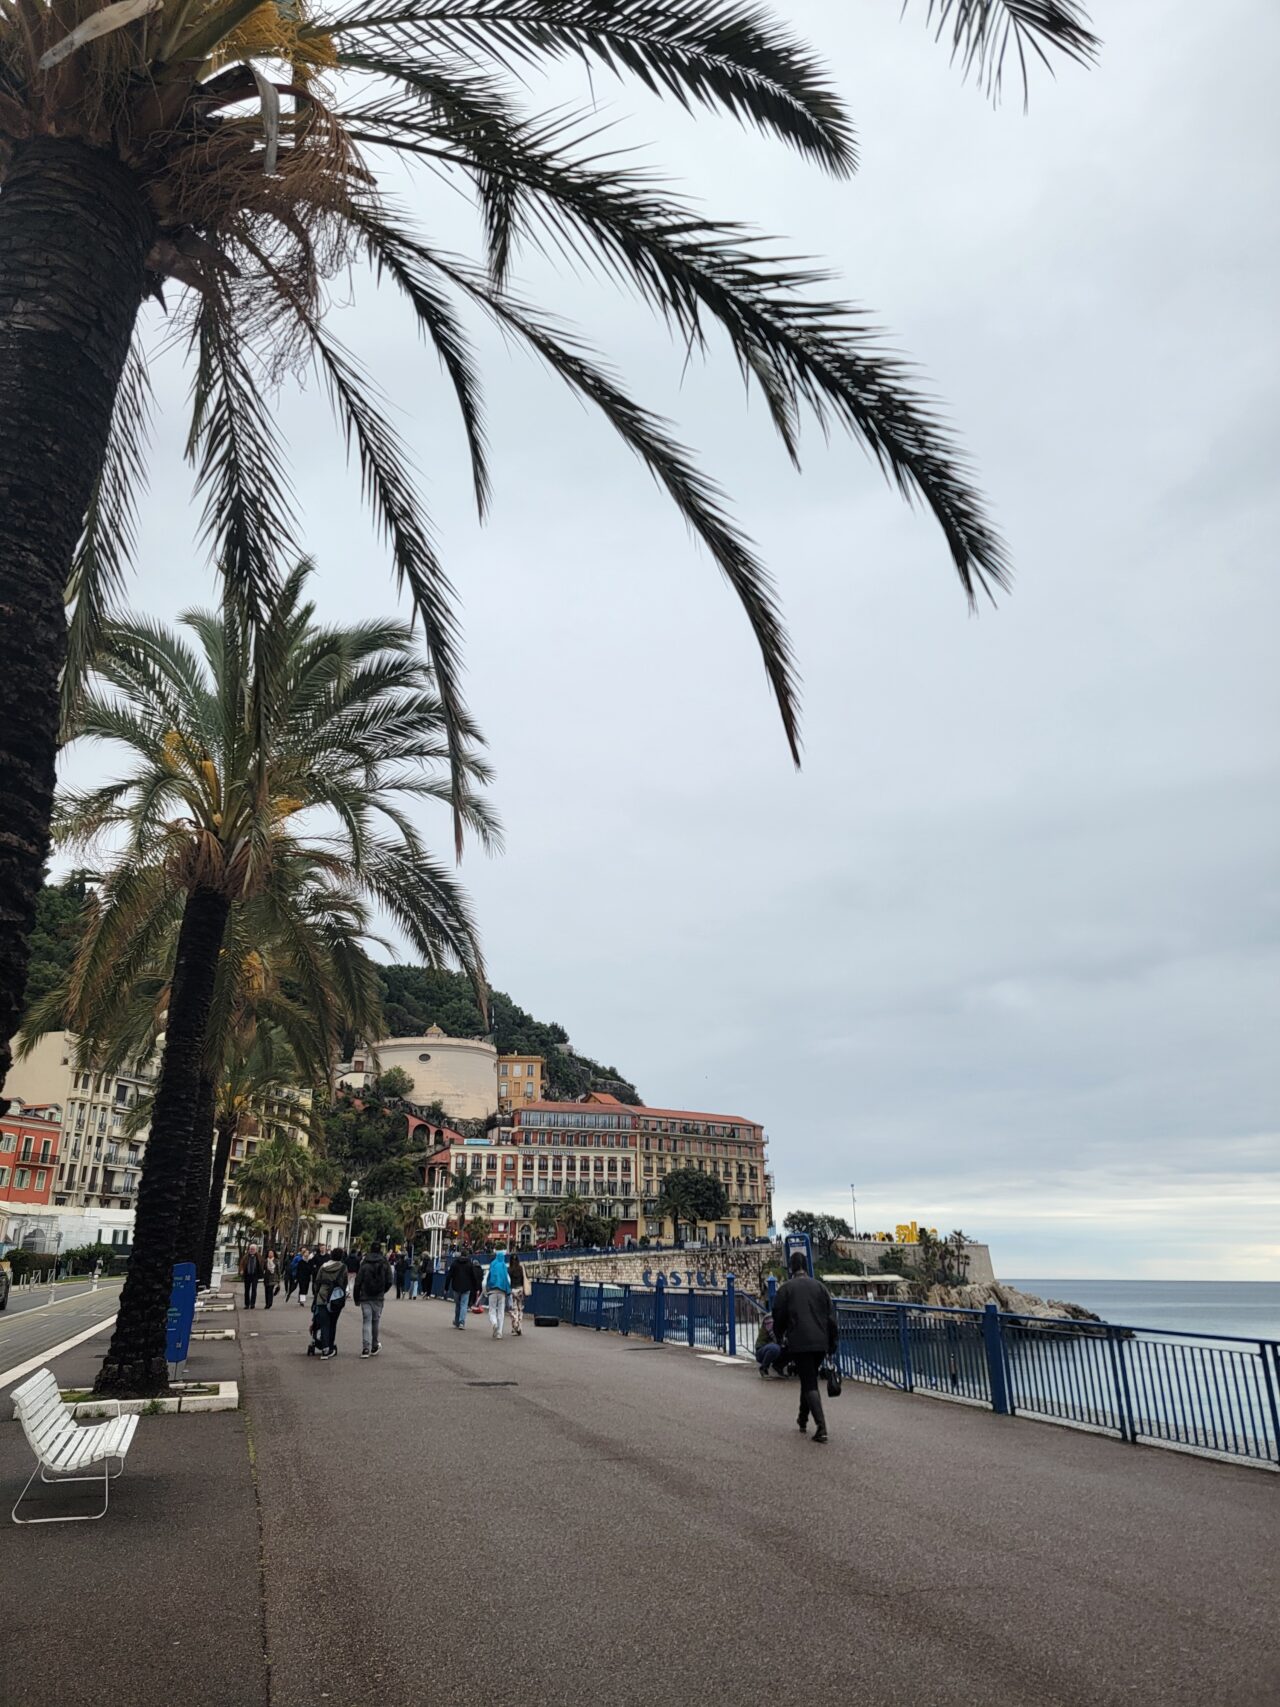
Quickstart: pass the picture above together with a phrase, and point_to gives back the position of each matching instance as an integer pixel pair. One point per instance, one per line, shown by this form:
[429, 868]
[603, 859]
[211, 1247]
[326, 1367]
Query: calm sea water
[1247, 1307]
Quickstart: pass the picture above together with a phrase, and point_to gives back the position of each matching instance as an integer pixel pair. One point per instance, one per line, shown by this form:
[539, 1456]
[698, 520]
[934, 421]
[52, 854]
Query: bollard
[731, 1315]
[689, 1324]
[660, 1310]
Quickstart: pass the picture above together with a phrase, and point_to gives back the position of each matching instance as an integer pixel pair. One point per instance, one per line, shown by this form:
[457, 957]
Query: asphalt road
[573, 1518]
[32, 1326]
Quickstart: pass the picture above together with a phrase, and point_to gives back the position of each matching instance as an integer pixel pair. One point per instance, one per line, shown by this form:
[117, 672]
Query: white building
[99, 1164]
[460, 1073]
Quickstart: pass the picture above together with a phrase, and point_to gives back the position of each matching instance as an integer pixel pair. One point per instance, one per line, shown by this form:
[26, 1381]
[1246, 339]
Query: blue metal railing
[1213, 1393]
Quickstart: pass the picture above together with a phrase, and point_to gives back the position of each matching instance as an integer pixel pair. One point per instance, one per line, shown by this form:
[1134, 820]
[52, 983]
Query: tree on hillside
[690, 1196]
[395, 1083]
[243, 154]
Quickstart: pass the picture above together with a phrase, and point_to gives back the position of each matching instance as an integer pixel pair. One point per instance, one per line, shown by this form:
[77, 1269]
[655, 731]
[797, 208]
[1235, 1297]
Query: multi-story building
[288, 1113]
[613, 1156]
[519, 1081]
[99, 1159]
[29, 1138]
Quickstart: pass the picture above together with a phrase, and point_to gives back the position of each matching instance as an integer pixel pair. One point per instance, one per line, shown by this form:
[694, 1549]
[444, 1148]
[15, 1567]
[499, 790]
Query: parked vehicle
[6, 1282]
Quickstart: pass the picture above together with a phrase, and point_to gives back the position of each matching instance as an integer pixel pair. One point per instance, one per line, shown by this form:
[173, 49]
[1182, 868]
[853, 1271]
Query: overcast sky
[1005, 951]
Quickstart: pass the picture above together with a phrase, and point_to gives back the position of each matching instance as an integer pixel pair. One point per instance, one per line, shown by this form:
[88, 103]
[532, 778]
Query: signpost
[798, 1242]
[434, 1220]
[182, 1313]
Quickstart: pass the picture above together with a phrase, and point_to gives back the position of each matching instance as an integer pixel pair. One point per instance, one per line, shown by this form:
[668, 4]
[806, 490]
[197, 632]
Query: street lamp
[853, 1192]
[354, 1192]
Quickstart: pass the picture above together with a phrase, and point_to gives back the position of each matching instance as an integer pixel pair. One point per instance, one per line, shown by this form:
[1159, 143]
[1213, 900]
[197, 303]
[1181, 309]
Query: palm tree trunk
[135, 1364]
[74, 232]
[213, 1209]
[195, 1188]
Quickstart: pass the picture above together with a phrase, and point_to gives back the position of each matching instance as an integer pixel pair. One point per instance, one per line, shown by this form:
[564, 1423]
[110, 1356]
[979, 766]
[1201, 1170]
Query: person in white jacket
[499, 1288]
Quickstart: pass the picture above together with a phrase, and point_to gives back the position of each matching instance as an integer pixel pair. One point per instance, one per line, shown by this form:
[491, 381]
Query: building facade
[519, 1081]
[29, 1139]
[459, 1073]
[614, 1157]
[99, 1161]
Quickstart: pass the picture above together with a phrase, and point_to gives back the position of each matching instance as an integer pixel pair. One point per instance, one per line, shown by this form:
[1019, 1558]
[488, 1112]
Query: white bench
[62, 1445]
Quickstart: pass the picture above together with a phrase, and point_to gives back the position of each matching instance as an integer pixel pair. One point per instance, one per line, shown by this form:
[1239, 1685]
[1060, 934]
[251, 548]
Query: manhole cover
[492, 1383]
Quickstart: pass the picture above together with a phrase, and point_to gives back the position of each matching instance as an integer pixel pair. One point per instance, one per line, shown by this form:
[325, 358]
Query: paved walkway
[571, 1518]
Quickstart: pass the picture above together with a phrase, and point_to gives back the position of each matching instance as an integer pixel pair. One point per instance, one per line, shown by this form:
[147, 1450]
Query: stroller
[318, 1313]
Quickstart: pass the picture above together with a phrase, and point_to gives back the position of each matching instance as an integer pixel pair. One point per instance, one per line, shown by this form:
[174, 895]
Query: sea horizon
[1248, 1308]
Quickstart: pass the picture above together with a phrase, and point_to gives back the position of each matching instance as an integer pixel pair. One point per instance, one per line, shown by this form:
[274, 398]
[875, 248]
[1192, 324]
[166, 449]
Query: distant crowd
[324, 1279]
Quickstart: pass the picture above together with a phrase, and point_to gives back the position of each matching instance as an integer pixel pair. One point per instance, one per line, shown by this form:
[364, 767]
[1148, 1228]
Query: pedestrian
[373, 1278]
[308, 1263]
[270, 1276]
[463, 1275]
[251, 1274]
[805, 1322]
[499, 1284]
[400, 1268]
[427, 1274]
[291, 1274]
[771, 1355]
[330, 1296]
[515, 1268]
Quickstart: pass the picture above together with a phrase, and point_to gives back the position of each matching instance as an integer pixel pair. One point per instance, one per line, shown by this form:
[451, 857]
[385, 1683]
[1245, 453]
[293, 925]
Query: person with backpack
[373, 1277]
[330, 1297]
[463, 1276]
[805, 1322]
[499, 1285]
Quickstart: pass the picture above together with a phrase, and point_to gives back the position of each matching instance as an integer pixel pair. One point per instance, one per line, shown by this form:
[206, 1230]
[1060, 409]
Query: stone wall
[630, 1268]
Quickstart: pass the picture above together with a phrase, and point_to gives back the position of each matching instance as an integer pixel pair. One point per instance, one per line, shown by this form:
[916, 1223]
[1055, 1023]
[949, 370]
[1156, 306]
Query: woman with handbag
[515, 1268]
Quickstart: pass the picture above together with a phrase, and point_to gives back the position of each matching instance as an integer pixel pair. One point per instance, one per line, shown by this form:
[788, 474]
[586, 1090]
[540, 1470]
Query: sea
[1250, 1308]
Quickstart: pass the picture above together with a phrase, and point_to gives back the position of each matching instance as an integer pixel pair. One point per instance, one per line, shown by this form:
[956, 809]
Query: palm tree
[464, 1190]
[280, 1180]
[131, 158]
[573, 1211]
[344, 726]
[546, 1217]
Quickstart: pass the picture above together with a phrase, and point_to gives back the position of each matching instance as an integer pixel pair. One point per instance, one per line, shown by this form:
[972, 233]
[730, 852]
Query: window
[42, 1179]
[424, 1057]
[46, 1150]
[21, 1179]
[6, 1140]
[4, 1176]
[502, 1069]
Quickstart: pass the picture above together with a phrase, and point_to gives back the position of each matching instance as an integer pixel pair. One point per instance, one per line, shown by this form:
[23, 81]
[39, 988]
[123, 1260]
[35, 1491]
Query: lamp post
[853, 1192]
[354, 1191]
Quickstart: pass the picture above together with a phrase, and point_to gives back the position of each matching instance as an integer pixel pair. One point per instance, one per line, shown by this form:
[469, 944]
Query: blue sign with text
[798, 1242]
[182, 1312]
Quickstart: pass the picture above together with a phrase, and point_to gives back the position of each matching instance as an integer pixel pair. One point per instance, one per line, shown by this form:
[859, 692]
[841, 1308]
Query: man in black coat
[805, 1321]
[463, 1277]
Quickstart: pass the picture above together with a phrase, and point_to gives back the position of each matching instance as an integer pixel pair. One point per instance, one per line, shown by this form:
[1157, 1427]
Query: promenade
[573, 1518]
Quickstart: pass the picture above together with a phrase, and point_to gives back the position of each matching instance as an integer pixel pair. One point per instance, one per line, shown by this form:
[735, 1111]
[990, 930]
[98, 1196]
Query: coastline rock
[1006, 1298]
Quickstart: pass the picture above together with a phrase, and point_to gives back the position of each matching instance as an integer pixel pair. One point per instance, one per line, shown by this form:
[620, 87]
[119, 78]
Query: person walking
[400, 1268]
[463, 1275]
[270, 1276]
[515, 1303]
[330, 1297]
[499, 1284]
[805, 1322]
[290, 1274]
[308, 1262]
[251, 1274]
[373, 1277]
[426, 1274]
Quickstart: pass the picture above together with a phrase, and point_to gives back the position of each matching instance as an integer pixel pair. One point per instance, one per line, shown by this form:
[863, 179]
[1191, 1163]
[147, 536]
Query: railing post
[625, 1315]
[600, 1307]
[689, 1315]
[1267, 1350]
[993, 1345]
[660, 1310]
[577, 1298]
[904, 1341]
[1120, 1376]
[731, 1316]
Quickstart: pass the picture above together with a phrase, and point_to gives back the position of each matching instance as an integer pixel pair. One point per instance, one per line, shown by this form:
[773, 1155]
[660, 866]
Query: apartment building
[99, 1159]
[519, 1081]
[29, 1138]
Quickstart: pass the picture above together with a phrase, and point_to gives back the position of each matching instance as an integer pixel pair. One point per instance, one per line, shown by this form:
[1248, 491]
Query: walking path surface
[630, 1524]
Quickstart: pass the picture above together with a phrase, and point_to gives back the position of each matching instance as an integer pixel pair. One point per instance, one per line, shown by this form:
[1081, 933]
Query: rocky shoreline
[1050, 1311]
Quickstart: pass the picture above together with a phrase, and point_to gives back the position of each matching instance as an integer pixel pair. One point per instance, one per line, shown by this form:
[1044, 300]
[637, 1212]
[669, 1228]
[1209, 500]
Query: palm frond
[983, 31]
[732, 56]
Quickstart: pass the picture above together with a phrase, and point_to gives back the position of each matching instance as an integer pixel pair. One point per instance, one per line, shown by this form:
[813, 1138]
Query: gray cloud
[1006, 951]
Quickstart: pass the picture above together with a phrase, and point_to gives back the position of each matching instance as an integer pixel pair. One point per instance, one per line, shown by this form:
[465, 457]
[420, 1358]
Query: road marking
[10, 1377]
[71, 1298]
[719, 1357]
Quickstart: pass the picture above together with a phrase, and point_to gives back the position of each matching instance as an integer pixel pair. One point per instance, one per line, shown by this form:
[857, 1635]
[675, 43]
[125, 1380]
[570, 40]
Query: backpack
[338, 1292]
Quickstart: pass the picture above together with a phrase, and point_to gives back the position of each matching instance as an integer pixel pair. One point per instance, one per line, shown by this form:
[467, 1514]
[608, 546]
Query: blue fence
[1212, 1393]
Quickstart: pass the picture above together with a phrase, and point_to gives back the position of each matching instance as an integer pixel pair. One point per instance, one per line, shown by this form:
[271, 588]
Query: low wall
[708, 1268]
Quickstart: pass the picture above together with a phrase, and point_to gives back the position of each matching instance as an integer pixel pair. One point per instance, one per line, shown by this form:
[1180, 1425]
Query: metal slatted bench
[62, 1445]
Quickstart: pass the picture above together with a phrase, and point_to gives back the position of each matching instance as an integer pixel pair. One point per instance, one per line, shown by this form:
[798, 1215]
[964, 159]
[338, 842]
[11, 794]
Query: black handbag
[835, 1381]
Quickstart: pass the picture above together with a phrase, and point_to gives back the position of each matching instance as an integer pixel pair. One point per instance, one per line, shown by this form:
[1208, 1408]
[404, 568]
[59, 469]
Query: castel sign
[709, 1279]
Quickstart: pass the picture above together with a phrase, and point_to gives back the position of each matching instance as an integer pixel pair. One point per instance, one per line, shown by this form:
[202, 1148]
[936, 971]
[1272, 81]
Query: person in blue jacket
[499, 1287]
